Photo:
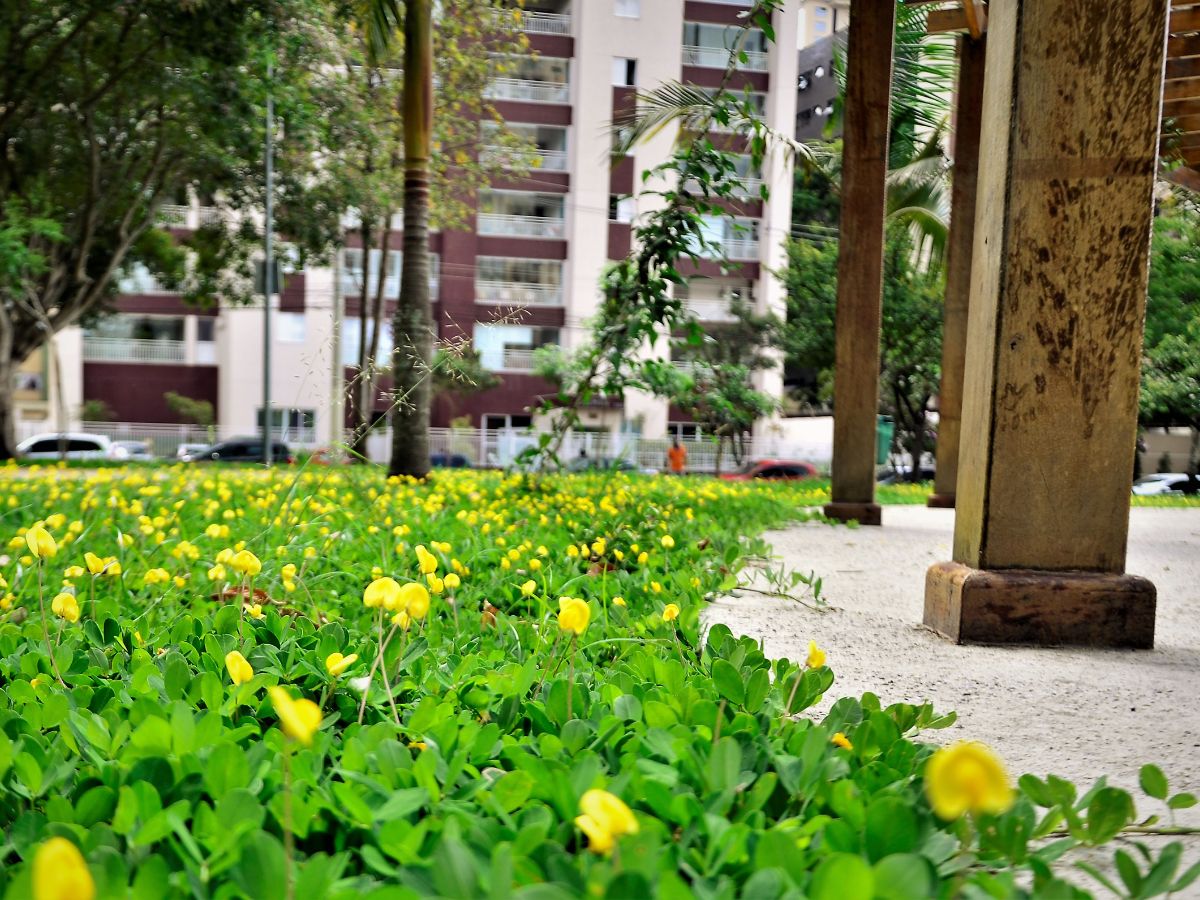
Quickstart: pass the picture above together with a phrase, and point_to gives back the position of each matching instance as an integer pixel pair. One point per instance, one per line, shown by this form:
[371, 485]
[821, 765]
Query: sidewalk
[1075, 713]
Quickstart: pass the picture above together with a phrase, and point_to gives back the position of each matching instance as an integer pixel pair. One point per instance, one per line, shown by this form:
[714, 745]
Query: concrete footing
[863, 513]
[1027, 606]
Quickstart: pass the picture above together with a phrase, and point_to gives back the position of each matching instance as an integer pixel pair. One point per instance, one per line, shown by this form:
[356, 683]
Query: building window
[620, 209]
[290, 327]
[624, 72]
[683, 431]
[351, 334]
[821, 23]
[498, 422]
[511, 347]
[628, 9]
[206, 328]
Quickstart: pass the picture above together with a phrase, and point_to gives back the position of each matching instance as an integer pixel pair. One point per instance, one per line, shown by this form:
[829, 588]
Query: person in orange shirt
[677, 457]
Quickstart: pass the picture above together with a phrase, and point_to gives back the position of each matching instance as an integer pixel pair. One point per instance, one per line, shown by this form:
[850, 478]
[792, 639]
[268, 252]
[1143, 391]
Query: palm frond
[381, 22]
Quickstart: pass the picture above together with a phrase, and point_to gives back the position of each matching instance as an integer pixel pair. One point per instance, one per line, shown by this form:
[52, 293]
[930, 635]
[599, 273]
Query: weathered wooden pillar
[1058, 287]
[860, 259]
[968, 104]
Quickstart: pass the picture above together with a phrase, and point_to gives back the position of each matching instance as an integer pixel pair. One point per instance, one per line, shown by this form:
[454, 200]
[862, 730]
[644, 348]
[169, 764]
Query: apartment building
[526, 275]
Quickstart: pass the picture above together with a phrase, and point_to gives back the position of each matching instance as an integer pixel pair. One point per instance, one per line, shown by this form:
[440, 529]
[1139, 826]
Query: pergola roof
[1181, 90]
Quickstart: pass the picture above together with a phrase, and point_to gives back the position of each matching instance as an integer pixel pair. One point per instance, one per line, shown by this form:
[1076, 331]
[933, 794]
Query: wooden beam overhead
[976, 14]
[941, 21]
[1188, 67]
[1188, 177]
[1177, 108]
[1185, 20]
[1185, 45]
[1181, 123]
[1182, 89]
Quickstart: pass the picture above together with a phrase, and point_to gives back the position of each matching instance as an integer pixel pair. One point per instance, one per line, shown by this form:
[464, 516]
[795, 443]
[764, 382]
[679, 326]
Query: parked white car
[78, 446]
[1160, 483]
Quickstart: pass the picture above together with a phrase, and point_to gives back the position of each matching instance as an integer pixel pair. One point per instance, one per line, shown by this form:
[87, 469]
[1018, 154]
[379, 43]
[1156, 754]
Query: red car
[774, 469]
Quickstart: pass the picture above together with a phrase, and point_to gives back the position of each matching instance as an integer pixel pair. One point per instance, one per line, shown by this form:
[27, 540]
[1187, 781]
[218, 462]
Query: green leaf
[454, 870]
[728, 681]
[902, 876]
[757, 687]
[1153, 781]
[512, 789]
[261, 870]
[842, 876]
[1110, 810]
[1182, 801]
[891, 828]
[1158, 879]
[1130, 874]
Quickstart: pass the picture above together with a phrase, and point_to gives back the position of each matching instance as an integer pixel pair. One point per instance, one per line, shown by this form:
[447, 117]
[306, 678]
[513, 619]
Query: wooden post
[860, 260]
[1071, 108]
[968, 103]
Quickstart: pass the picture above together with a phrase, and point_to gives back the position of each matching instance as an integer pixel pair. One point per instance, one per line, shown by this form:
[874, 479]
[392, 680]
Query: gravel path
[1076, 713]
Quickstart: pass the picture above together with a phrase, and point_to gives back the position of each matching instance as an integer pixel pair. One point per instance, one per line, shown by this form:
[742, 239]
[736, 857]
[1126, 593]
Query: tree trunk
[8, 431]
[363, 401]
[412, 325]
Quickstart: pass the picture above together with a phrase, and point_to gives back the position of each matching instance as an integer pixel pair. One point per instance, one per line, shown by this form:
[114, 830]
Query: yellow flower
[643, 557]
[415, 599]
[336, 664]
[156, 576]
[436, 585]
[667, 541]
[816, 656]
[535, 564]
[528, 588]
[604, 819]
[66, 606]
[216, 573]
[225, 555]
[426, 560]
[671, 612]
[572, 551]
[401, 620]
[842, 741]
[288, 572]
[383, 592]
[966, 777]
[213, 530]
[240, 671]
[618, 601]
[299, 719]
[255, 611]
[41, 543]
[598, 546]
[60, 872]
[246, 563]
[74, 572]
[573, 614]
[95, 564]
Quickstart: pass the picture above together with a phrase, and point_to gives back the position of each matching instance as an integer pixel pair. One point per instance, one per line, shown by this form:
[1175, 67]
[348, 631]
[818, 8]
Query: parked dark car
[241, 450]
[607, 464]
[773, 470]
[449, 461]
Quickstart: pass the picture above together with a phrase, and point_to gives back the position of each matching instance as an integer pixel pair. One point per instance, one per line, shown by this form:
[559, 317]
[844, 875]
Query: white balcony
[718, 58]
[497, 225]
[740, 248]
[140, 281]
[518, 359]
[537, 22]
[173, 215]
[109, 349]
[522, 293]
[711, 310]
[528, 90]
[545, 160]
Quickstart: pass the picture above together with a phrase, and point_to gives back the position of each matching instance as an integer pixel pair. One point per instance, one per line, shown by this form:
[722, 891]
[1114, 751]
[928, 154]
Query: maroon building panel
[624, 174]
[134, 391]
[511, 314]
[161, 305]
[703, 76]
[558, 45]
[529, 248]
[707, 268]
[353, 239]
[517, 394]
[620, 239]
[534, 113]
[541, 180]
[291, 298]
[749, 208]
[717, 13]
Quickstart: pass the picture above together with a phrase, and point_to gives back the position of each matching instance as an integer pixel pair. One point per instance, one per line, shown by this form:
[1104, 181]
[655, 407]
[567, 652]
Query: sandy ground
[1075, 713]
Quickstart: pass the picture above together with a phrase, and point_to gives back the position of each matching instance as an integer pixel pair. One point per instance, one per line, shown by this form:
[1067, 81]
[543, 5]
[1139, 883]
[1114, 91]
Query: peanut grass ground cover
[238, 683]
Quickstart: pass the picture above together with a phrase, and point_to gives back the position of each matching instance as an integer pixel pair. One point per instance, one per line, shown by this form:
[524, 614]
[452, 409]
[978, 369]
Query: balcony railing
[111, 349]
[142, 283]
[528, 90]
[173, 215]
[546, 160]
[747, 186]
[536, 22]
[520, 226]
[740, 248]
[711, 310]
[520, 292]
[209, 215]
[518, 359]
[718, 58]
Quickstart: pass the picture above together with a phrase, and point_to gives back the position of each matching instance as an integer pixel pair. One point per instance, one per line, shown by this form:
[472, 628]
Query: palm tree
[412, 324]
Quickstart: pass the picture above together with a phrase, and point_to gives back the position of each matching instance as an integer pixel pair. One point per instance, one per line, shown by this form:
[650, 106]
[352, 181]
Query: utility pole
[268, 276]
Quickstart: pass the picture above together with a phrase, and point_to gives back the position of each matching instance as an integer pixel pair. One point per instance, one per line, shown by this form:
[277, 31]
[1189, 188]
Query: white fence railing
[545, 160]
[718, 58]
[518, 292]
[711, 310]
[517, 360]
[528, 90]
[745, 249]
[536, 22]
[173, 215]
[111, 349]
[520, 226]
[500, 448]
